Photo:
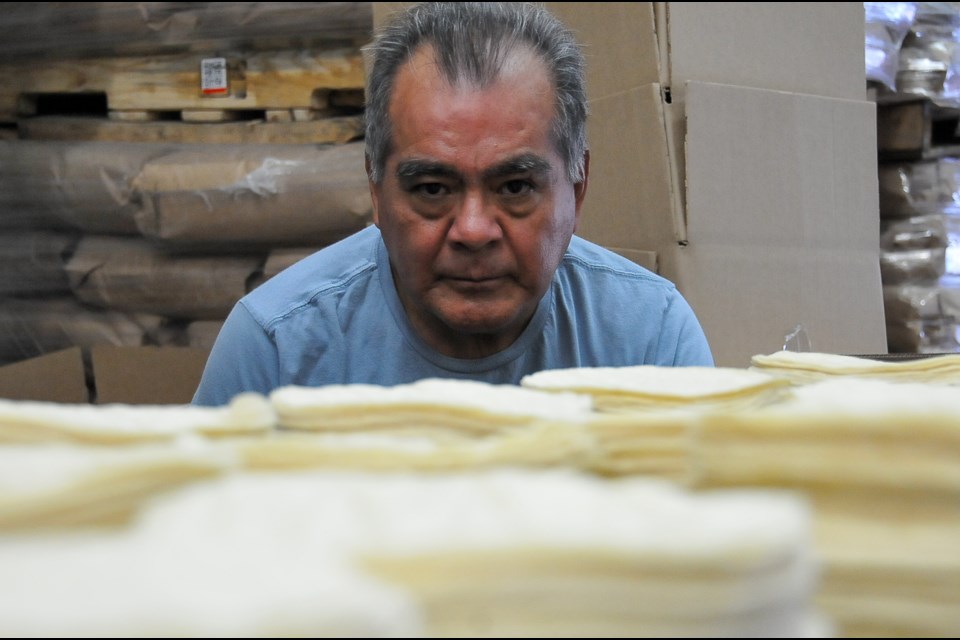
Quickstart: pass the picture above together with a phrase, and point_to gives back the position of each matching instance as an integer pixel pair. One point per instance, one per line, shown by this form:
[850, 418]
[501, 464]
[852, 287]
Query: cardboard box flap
[631, 197]
[747, 301]
[53, 377]
[147, 375]
[619, 40]
[768, 168]
[803, 47]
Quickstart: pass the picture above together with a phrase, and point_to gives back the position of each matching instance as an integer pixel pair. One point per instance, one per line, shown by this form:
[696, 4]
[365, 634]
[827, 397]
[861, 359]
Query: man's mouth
[475, 281]
[474, 278]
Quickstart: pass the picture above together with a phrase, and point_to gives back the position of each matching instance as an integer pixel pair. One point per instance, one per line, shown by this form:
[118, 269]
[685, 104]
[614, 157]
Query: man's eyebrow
[417, 168]
[524, 163]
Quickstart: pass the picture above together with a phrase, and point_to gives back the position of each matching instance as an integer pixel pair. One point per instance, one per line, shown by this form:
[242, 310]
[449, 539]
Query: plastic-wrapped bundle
[180, 332]
[915, 265]
[130, 274]
[929, 56]
[953, 246]
[30, 328]
[84, 186]
[923, 301]
[34, 262]
[916, 188]
[254, 195]
[887, 24]
[923, 318]
[187, 195]
[920, 232]
[930, 335]
[57, 29]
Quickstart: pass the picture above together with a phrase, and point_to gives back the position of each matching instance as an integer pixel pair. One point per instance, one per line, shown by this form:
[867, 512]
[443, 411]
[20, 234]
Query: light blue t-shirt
[335, 318]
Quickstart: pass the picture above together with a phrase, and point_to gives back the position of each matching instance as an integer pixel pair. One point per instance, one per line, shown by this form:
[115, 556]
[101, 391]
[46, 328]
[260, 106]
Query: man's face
[475, 206]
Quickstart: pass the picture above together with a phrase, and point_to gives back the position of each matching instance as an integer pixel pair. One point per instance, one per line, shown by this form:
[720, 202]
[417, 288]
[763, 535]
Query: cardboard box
[739, 149]
[146, 375]
[807, 48]
[782, 222]
[733, 150]
[107, 374]
[53, 377]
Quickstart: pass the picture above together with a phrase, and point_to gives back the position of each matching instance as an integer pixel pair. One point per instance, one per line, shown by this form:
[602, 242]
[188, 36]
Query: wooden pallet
[917, 129]
[291, 79]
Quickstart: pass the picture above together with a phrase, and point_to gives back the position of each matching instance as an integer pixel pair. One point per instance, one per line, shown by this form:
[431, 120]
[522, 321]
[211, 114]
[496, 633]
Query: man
[476, 154]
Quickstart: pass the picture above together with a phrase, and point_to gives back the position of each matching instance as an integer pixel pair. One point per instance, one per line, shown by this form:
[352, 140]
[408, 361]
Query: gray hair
[471, 42]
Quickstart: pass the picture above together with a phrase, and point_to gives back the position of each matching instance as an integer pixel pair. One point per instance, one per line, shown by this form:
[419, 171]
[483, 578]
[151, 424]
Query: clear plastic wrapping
[886, 25]
[909, 189]
[81, 186]
[920, 270]
[129, 274]
[34, 262]
[914, 266]
[166, 231]
[922, 301]
[930, 56]
[254, 195]
[920, 232]
[218, 196]
[920, 249]
[150, 238]
[85, 29]
[33, 327]
[933, 335]
[923, 318]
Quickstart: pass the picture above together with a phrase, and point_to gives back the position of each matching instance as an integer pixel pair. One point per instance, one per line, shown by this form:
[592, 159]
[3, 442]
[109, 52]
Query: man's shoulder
[589, 260]
[328, 271]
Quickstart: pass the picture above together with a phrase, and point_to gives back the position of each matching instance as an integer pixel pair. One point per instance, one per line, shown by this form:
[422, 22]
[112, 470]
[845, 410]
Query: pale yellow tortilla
[28, 421]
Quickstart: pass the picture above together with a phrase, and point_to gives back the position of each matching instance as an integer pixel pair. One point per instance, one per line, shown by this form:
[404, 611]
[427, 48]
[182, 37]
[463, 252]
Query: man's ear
[374, 196]
[580, 188]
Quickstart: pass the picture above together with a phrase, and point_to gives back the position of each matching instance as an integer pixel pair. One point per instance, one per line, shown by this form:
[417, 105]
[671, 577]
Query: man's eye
[516, 187]
[431, 189]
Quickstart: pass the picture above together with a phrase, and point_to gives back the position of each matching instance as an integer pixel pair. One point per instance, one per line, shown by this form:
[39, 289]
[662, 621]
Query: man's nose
[476, 223]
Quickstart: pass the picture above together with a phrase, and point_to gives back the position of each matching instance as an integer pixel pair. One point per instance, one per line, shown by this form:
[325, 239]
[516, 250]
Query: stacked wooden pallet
[919, 146]
[919, 176]
[149, 176]
[320, 90]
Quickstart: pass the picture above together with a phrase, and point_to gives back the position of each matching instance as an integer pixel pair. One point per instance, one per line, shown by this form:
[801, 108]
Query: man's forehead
[434, 121]
[516, 63]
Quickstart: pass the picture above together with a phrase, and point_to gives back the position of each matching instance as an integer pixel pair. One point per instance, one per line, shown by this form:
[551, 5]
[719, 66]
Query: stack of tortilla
[429, 425]
[78, 465]
[27, 421]
[649, 387]
[545, 444]
[64, 486]
[504, 553]
[136, 583]
[652, 443]
[447, 408]
[881, 461]
[804, 367]
[651, 412]
[476, 549]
